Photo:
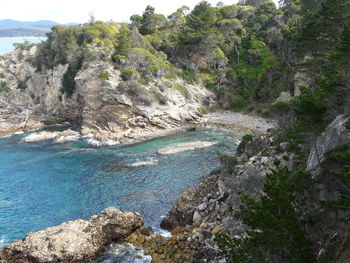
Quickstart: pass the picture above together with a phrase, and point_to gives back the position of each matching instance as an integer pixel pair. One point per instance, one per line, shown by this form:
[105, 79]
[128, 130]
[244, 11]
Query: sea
[6, 43]
[44, 184]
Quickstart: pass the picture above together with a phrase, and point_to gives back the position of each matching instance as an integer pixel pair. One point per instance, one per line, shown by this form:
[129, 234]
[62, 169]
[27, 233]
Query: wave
[92, 142]
[162, 232]
[144, 163]
[3, 241]
[40, 136]
[126, 253]
[66, 139]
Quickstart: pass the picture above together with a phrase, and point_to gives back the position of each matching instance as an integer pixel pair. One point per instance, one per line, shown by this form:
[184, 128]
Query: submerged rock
[185, 147]
[74, 241]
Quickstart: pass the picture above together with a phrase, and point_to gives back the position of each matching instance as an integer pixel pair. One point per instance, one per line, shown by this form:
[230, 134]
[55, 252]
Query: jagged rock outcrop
[74, 241]
[336, 133]
[215, 202]
[99, 106]
[213, 207]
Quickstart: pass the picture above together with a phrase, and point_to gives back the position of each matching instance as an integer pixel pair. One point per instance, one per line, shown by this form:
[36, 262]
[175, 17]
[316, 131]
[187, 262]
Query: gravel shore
[239, 121]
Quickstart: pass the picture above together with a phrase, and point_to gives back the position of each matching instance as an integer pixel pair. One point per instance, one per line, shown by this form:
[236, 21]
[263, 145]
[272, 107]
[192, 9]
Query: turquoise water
[6, 43]
[44, 184]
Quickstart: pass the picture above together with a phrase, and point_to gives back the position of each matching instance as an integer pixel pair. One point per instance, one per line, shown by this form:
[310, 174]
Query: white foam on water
[111, 143]
[130, 253]
[65, 139]
[163, 232]
[19, 132]
[68, 138]
[39, 136]
[152, 161]
[3, 241]
[91, 141]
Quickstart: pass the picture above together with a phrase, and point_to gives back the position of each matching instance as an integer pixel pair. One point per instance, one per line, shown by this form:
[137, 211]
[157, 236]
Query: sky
[66, 11]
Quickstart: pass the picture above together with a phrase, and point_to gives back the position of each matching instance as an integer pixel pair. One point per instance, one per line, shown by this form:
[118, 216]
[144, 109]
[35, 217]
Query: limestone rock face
[335, 134]
[74, 241]
[98, 107]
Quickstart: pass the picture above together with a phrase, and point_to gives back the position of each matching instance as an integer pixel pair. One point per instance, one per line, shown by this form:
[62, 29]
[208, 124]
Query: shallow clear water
[43, 184]
[6, 43]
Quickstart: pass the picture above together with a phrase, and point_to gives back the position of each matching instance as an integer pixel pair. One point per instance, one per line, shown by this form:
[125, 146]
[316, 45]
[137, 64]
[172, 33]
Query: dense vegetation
[247, 54]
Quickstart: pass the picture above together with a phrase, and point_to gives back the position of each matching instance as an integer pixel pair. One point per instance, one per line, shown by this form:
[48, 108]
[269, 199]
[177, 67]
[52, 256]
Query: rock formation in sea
[75, 241]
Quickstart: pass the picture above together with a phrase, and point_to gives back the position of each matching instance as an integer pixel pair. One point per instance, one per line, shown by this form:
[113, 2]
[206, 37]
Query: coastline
[228, 121]
[231, 124]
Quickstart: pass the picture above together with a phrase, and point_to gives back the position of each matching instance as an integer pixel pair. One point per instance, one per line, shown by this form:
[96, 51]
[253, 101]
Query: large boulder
[74, 241]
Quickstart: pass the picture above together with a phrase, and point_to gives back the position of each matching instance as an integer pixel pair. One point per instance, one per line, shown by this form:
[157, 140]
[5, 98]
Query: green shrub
[130, 74]
[24, 45]
[247, 138]
[152, 63]
[104, 75]
[170, 76]
[265, 112]
[161, 98]
[22, 85]
[137, 91]
[238, 103]
[183, 90]
[68, 82]
[229, 161]
[347, 124]
[208, 78]
[310, 108]
[3, 87]
[188, 76]
[340, 153]
[203, 110]
[281, 106]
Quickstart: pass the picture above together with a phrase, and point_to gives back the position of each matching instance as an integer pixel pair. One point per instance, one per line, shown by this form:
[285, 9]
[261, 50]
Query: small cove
[44, 184]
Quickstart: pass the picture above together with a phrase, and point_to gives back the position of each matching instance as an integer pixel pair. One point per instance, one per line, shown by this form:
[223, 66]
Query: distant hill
[13, 28]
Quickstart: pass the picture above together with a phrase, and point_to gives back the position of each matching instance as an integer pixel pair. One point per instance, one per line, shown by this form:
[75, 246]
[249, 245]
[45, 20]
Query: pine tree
[200, 23]
[275, 232]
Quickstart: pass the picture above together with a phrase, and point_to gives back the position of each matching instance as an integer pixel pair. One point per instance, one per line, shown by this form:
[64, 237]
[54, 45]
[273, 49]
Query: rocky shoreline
[105, 114]
[189, 235]
[75, 241]
[229, 121]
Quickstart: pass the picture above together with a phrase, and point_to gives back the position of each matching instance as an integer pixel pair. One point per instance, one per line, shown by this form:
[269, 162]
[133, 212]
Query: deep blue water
[6, 43]
[44, 184]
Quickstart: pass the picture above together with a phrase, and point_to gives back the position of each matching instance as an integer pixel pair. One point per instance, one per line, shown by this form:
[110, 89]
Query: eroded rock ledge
[75, 241]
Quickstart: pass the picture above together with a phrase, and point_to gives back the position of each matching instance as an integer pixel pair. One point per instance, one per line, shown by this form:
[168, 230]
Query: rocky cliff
[102, 105]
